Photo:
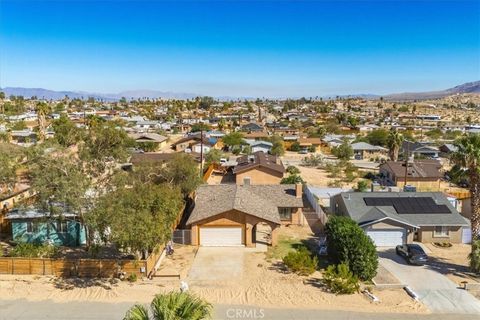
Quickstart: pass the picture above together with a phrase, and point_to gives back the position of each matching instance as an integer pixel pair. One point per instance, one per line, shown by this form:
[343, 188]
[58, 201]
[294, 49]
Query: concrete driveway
[217, 263]
[435, 290]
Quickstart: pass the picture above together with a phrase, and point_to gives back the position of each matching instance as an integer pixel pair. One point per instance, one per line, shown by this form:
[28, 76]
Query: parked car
[412, 253]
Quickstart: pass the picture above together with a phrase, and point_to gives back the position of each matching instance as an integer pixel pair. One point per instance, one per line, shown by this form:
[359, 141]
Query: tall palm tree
[468, 156]
[172, 306]
[394, 143]
[42, 110]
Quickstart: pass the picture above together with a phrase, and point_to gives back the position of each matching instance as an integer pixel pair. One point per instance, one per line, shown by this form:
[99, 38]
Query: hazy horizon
[246, 48]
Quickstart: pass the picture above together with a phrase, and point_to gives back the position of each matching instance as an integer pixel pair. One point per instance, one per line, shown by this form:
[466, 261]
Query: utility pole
[201, 153]
[406, 163]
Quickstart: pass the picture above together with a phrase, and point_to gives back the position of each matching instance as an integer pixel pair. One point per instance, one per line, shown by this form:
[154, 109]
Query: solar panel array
[408, 205]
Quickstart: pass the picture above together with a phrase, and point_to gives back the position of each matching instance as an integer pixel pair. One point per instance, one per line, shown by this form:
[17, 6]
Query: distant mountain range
[470, 87]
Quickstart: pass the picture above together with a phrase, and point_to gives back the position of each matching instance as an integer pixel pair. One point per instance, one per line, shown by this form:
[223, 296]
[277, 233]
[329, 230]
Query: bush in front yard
[340, 280]
[301, 262]
[31, 250]
[474, 256]
[349, 244]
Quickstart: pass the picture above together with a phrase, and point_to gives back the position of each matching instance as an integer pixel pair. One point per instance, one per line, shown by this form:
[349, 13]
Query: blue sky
[240, 48]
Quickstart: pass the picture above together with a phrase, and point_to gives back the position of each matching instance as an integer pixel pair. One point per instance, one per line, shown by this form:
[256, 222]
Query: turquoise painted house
[33, 226]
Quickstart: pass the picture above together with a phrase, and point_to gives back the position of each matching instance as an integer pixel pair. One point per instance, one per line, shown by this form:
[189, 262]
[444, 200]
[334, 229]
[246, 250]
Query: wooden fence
[89, 268]
[208, 173]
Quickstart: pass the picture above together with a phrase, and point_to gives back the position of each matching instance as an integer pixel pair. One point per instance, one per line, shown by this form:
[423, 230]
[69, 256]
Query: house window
[32, 227]
[62, 227]
[285, 213]
[440, 232]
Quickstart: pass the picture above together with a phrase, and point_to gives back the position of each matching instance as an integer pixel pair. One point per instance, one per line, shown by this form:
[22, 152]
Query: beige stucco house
[243, 215]
[258, 168]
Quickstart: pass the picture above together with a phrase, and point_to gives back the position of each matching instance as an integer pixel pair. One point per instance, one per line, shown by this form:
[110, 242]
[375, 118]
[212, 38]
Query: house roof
[147, 137]
[256, 160]
[417, 169]
[32, 213]
[261, 201]
[362, 213]
[255, 143]
[366, 146]
[252, 127]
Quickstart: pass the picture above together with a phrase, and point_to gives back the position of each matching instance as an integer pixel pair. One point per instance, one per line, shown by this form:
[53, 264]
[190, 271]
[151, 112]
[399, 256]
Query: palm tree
[172, 306]
[42, 110]
[474, 256]
[468, 156]
[394, 142]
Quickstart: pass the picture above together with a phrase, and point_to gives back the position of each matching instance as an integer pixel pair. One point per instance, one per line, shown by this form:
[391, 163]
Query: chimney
[298, 190]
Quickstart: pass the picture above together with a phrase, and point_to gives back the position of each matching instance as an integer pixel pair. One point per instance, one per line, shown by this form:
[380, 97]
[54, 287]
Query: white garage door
[467, 235]
[387, 238]
[221, 236]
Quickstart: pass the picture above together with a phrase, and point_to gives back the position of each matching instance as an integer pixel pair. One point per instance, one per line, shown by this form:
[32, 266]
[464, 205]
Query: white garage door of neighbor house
[467, 235]
[387, 238]
[219, 237]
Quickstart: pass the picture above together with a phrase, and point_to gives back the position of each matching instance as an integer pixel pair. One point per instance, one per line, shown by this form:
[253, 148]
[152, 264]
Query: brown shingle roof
[260, 201]
[417, 169]
[258, 159]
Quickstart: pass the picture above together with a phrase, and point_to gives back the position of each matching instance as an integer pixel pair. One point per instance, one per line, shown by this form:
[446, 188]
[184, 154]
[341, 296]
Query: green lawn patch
[284, 246]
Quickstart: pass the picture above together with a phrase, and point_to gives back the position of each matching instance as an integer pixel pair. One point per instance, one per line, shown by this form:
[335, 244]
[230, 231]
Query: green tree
[66, 132]
[343, 151]
[378, 137]
[149, 210]
[278, 146]
[206, 102]
[59, 182]
[9, 161]
[362, 186]
[182, 171]
[295, 146]
[394, 142]
[292, 179]
[349, 244]
[105, 146]
[468, 156]
[172, 306]
[233, 139]
[213, 156]
[197, 127]
[19, 125]
[293, 170]
[474, 256]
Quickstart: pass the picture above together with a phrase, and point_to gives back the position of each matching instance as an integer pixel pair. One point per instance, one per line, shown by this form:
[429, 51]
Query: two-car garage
[221, 236]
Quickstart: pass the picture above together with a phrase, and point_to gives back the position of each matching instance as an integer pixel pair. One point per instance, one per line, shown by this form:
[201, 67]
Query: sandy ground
[453, 262]
[263, 283]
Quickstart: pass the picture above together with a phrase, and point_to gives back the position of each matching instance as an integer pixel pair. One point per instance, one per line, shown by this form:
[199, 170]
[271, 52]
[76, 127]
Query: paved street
[27, 310]
[435, 290]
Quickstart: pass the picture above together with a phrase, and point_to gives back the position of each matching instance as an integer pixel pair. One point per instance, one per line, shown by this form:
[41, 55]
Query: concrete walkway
[217, 263]
[435, 290]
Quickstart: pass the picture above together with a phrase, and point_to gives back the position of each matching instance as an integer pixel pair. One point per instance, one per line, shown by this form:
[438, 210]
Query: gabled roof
[362, 213]
[417, 169]
[258, 160]
[367, 146]
[261, 201]
[147, 137]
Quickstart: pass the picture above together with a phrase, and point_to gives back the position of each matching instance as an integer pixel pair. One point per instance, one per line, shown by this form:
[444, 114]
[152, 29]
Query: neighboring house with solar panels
[393, 218]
